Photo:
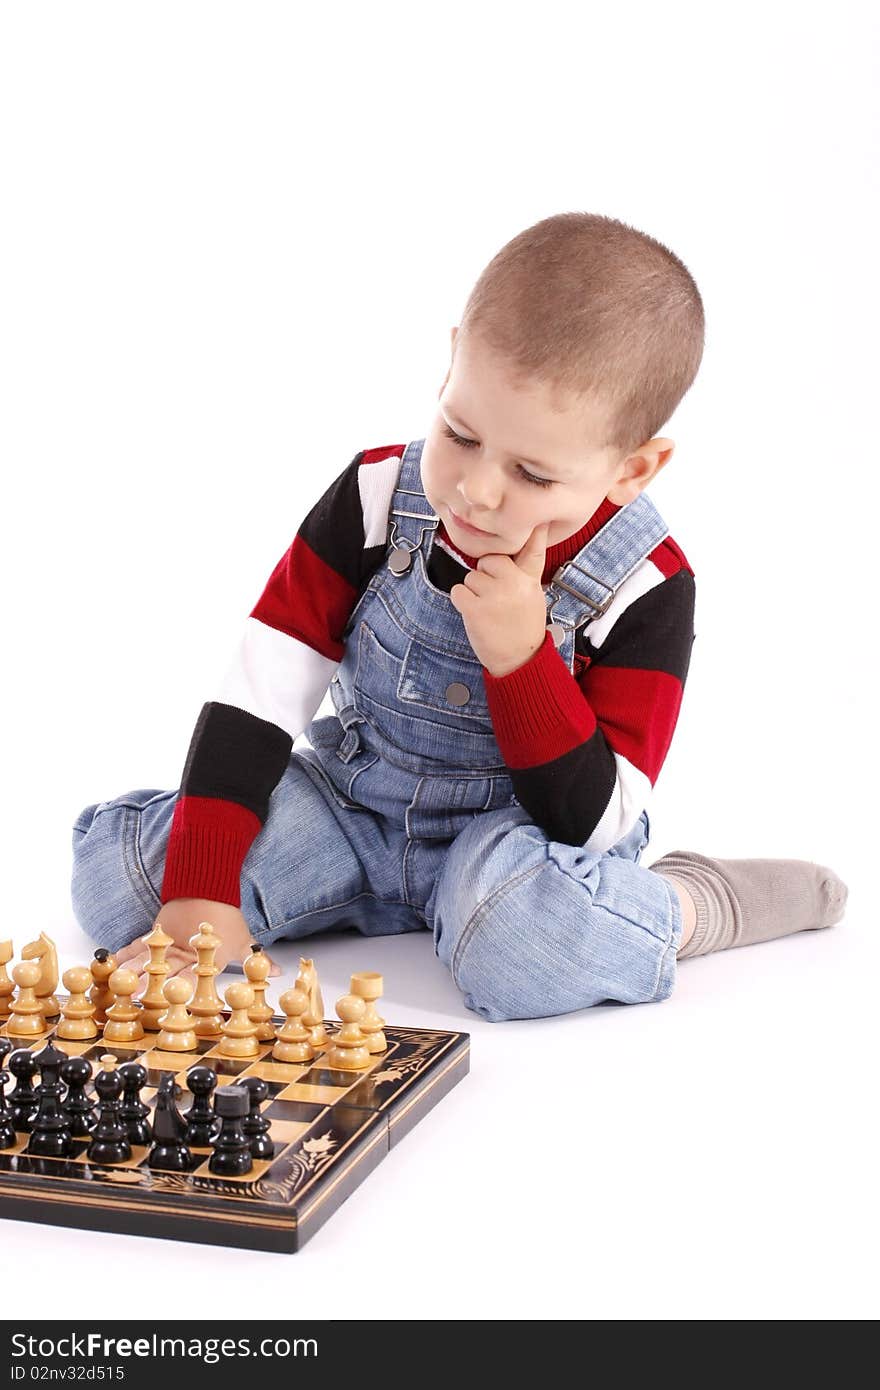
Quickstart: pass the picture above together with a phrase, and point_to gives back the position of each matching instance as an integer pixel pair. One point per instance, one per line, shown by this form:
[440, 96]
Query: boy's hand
[503, 605]
[181, 919]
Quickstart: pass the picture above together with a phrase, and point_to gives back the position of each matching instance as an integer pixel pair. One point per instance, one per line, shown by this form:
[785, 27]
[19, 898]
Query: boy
[506, 627]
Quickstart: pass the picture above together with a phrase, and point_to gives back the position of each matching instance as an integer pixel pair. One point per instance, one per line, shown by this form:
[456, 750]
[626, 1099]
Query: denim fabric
[401, 815]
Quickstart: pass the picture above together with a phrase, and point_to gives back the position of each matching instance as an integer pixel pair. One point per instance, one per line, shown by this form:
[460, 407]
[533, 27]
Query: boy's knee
[112, 898]
[550, 930]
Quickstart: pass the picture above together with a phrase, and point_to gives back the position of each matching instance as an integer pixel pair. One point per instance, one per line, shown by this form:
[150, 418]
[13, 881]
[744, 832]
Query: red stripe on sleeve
[307, 599]
[207, 846]
[637, 711]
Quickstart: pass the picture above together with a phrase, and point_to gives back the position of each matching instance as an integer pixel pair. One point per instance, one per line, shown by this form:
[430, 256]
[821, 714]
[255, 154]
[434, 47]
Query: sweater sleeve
[289, 649]
[585, 751]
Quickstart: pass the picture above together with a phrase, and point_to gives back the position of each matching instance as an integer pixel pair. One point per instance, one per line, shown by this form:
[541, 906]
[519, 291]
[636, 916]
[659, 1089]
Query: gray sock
[741, 901]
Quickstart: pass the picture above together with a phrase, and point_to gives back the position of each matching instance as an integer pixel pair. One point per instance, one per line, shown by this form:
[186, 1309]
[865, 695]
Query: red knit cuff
[207, 846]
[538, 711]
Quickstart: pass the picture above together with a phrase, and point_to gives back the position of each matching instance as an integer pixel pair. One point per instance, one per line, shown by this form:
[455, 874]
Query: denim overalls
[401, 813]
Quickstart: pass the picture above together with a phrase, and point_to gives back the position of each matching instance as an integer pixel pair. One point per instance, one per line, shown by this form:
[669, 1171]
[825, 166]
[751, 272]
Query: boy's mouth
[475, 530]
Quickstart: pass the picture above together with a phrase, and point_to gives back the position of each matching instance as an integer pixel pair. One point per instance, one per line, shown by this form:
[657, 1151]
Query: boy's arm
[584, 754]
[290, 648]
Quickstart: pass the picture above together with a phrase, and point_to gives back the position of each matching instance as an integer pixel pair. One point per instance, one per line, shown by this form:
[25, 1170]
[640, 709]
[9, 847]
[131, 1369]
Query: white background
[234, 240]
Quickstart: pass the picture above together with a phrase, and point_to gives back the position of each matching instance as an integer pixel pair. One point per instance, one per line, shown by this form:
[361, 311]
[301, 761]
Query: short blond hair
[594, 309]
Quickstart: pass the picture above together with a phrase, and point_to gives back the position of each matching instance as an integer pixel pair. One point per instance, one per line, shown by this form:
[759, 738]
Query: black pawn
[134, 1111]
[201, 1122]
[82, 1112]
[50, 1127]
[7, 1124]
[232, 1156]
[255, 1125]
[109, 1139]
[23, 1100]
[5, 1046]
[169, 1127]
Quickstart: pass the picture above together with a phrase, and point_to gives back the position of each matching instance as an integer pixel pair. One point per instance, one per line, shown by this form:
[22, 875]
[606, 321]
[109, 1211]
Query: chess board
[330, 1130]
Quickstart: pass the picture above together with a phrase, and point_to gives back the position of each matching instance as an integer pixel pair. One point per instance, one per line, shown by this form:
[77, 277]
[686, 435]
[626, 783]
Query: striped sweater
[583, 749]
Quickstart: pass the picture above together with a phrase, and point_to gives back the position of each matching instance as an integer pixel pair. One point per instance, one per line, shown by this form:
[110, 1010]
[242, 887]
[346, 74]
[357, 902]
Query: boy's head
[576, 345]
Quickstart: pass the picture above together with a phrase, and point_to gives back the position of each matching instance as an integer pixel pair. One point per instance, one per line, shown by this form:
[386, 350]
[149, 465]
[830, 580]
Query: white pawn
[124, 1015]
[78, 1021]
[349, 1051]
[177, 1033]
[256, 967]
[293, 1037]
[27, 1019]
[239, 1033]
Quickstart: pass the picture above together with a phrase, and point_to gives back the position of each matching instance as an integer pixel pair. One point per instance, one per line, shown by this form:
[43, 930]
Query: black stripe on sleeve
[234, 756]
[656, 633]
[334, 529]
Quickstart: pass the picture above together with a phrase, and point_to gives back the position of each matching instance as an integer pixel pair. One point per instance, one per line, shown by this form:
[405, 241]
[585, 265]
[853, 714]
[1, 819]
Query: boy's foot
[741, 901]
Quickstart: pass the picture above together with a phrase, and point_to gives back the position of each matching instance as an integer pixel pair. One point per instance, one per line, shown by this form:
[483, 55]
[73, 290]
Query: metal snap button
[399, 561]
[457, 693]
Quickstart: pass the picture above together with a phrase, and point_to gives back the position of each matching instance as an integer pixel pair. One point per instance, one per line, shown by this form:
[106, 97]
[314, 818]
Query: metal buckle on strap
[597, 607]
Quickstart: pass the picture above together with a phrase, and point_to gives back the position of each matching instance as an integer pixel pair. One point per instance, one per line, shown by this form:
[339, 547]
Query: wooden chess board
[330, 1130]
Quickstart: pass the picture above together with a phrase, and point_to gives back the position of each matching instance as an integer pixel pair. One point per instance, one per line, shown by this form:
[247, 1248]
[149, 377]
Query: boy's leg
[532, 927]
[315, 866]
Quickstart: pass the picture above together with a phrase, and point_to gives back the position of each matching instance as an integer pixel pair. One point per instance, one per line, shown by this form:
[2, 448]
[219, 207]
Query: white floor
[709, 1157]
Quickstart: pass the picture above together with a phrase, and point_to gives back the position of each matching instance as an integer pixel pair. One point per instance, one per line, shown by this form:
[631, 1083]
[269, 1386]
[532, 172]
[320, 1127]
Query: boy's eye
[472, 444]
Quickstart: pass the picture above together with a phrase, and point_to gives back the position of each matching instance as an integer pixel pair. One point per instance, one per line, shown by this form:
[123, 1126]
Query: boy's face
[519, 436]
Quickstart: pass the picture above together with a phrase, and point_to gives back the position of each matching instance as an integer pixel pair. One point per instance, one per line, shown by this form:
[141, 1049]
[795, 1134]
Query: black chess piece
[81, 1109]
[201, 1122]
[109, 1140]
[23, 1100]
[5, 1046]
[169, 1151]
[8, 1136]
[232, 1156]
[134, 1111]
[255, 1125]
[50, 1127]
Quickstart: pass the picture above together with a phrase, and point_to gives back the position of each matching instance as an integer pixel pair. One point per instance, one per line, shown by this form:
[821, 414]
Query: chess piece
[7, 988]
[27, 1019]
[292, 1043]
[255, 1126]
[23, 1100]
[239, 1033]
[169, 1152]
[201, 1122]
[313, 1018]
[124, 1015]
[232, 1156]
[349, 1050]
[8, 1136]
[80, 1108]
[206, 1007]
[43, 951]
[132, 1110]
[78, 1012]
[153, 1000]
[50, 1127]
[176, 1034]
[256, 967]
[102, 968]
[109, 1143]
[368, 985]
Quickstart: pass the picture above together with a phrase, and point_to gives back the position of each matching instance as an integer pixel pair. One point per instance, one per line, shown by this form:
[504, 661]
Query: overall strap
[411, 514]
[584, 586]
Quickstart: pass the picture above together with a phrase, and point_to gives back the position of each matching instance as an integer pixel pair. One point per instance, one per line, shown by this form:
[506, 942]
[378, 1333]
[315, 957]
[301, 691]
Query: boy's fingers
[131, 952]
